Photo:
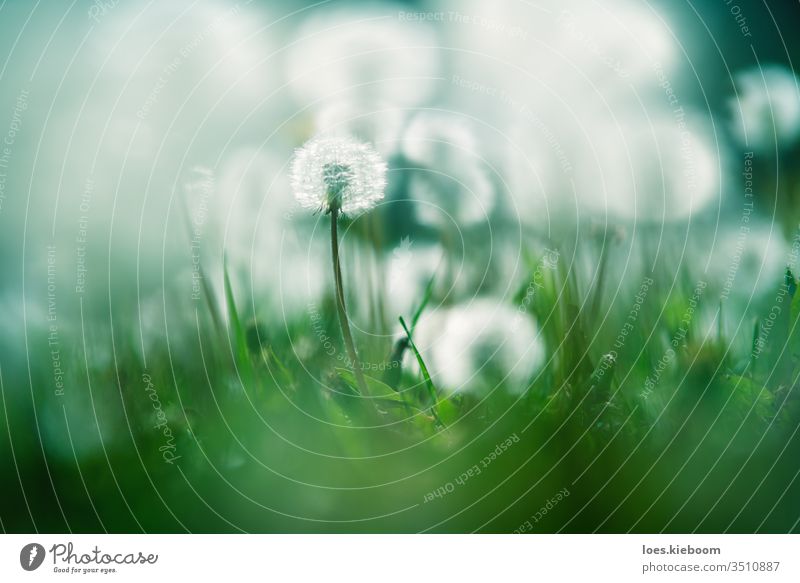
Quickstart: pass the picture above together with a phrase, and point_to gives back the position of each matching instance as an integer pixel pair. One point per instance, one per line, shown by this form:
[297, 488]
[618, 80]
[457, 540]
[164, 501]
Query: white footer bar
[355, 558]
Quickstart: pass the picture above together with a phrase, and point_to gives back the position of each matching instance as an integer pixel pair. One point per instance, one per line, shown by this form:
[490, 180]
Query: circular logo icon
[31, 556]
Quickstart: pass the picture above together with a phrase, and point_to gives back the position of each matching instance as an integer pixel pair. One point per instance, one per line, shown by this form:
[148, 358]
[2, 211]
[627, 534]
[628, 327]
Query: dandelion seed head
[338, 172]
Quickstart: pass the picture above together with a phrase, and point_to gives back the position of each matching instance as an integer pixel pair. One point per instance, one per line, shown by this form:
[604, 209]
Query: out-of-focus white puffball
[297, 279]
[485, 338]
[621, 39]
[537, 174]
[766, 108]
[651, 167]
[409, 270]
[746, 263]
[183, 65]
[455, 276]
[561, 44]
[246, 212]
[577, 90]
[381, 125]
[450, 200]
[744, 267]
[287, 269]
[366, 54]
[658, 169]
[451, 184]
[252, 199]
[155, 89]
[439, 136]
[170, 50]
[264, 235]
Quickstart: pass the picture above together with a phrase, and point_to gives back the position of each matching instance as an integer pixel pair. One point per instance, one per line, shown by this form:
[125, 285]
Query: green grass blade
[425, 374]
[426, 297]
[392, 375]
[380, 388]
[236, 324]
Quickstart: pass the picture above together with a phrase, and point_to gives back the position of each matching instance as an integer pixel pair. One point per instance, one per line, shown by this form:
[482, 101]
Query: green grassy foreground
[661, 407]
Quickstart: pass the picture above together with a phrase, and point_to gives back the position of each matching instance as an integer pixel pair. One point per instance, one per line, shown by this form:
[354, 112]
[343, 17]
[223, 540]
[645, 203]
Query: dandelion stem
[340, 304]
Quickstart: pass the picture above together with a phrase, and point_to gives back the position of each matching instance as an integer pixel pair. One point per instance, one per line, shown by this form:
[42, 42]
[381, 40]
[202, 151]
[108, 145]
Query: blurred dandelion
[749, 265]
[339, 175]
[409, 271]
[465, 344]
[662, 170]
[454, 184]
[365, 54]
[766, 108]
[378, 123]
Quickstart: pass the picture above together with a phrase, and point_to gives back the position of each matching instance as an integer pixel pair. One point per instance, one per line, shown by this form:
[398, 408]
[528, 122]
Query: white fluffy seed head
[339, 171]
